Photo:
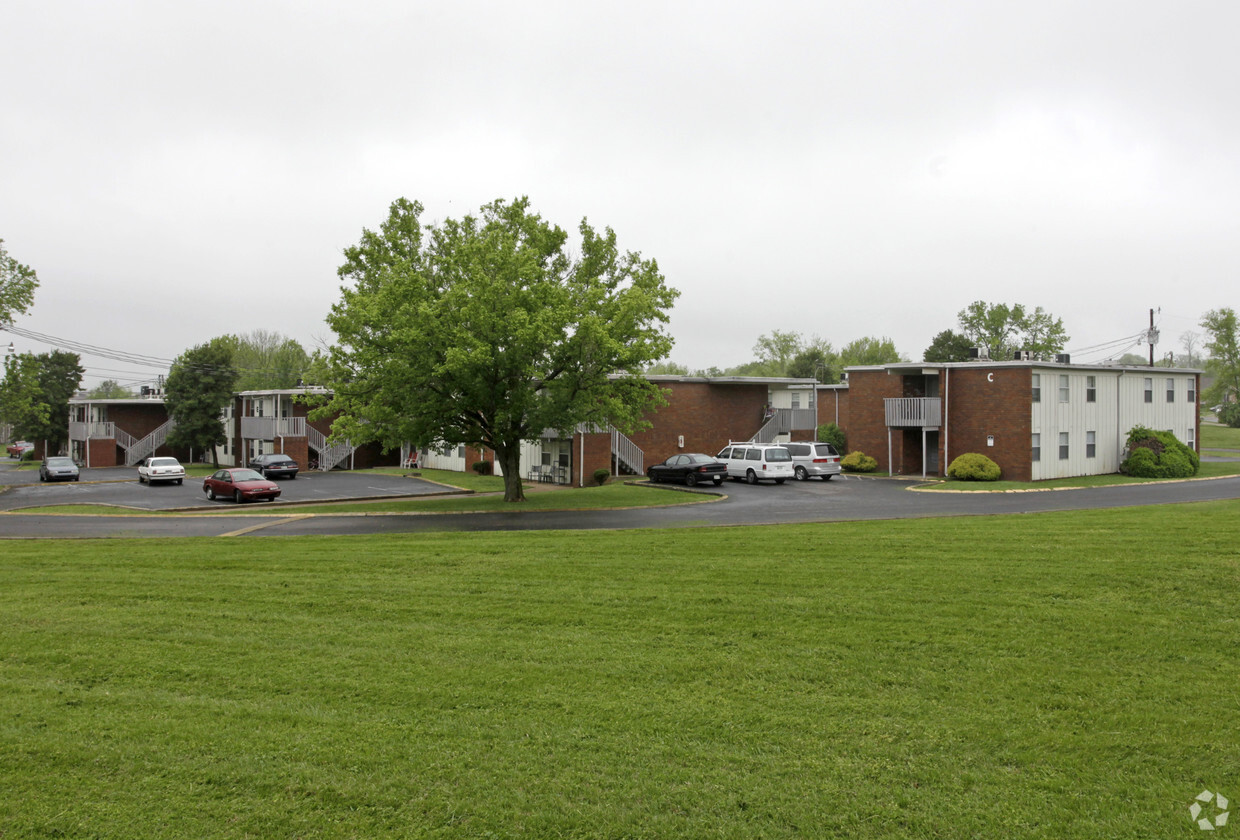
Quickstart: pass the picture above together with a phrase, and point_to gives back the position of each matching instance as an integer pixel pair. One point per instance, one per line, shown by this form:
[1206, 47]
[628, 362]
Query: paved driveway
[119, 486]
[845, 498]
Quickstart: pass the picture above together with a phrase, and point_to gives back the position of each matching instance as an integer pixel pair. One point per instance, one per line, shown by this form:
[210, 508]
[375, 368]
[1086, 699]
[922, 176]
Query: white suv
[756, 462]
[814, 458]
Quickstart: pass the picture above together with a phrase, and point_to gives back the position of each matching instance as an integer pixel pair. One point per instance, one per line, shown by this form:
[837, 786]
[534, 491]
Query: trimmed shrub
[834, 435]
[1154, 454]
[858, 462]
[601, 475]
[484, 467]
[1230, 415]
[973, 466]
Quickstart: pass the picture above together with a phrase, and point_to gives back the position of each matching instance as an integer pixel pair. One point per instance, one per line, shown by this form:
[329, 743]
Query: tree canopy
[1223, 363]
[266, 360]
[35, 393]
[199, 386]
[109, 389]
[485, 331]
[17, 285]
[1003, 329]
[869, 350]
[948, 346]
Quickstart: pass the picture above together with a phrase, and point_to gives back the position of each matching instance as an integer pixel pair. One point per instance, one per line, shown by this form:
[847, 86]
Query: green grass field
[1068, 675]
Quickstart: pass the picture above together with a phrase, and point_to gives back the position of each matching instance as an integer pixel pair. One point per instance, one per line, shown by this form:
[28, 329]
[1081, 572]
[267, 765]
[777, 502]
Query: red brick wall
[867, 416]
[707, 415]
[993, 401]
[296, 448]
[597, 457]
[103, 452]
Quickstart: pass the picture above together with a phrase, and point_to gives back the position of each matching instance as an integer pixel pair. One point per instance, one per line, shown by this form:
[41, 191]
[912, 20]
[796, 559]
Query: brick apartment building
[1037, 420]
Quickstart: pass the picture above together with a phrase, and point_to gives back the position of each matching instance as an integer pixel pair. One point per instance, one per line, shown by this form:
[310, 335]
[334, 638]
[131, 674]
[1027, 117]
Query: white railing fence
[626, 453]
[329, 455]
[914, 411]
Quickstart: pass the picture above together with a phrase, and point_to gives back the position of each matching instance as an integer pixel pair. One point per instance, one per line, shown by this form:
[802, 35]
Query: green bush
[1230, 415]
[858, 462]
[484, 467]
[601, 475]
[1154, 454]
[973, 466]
[834, 435]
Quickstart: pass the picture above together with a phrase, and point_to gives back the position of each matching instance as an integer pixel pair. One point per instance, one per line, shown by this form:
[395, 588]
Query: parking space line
[260, 526]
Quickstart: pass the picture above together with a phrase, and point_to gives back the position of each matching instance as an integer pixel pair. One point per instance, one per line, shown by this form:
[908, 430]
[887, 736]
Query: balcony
[270, 428]
[917, 412]
[91, 431]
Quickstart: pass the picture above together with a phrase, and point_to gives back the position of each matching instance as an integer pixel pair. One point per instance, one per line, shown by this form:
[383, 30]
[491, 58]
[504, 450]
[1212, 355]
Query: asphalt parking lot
[735, 503]
[119, 486]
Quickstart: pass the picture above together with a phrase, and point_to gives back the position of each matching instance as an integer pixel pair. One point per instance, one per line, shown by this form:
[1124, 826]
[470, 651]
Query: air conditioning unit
[1023, 356]
[1063, 359]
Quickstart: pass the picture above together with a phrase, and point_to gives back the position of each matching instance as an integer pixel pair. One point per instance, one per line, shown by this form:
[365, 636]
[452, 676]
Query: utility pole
[1151, 337]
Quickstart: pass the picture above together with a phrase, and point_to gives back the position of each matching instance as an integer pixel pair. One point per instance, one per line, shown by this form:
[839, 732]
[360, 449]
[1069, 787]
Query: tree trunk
[510, 463]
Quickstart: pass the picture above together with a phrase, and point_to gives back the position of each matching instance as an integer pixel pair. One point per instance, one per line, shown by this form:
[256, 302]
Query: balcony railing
[925, 412]
[270, 428]
[91, 431]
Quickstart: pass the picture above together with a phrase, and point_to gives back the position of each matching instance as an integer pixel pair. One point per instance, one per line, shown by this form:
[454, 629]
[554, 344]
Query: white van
[756, 462]
[813, 458]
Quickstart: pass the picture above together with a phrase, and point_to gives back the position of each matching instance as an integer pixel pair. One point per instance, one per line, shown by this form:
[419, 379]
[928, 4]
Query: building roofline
[1013, 363]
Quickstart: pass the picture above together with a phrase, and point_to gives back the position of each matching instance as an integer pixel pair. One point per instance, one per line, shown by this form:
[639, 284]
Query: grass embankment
[1061, 675]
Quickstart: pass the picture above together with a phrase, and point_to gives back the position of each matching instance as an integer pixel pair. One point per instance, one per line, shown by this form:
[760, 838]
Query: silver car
[59, 469]
[814, 459]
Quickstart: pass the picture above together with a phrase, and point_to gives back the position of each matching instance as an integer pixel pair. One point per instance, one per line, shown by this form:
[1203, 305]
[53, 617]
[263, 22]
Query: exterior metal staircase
[135, 451]
[329, 455]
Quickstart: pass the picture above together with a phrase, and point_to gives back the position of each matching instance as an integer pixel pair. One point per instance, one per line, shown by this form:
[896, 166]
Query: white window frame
[1065, 389]
[1091, 444]
[1037, 446]
[1064, 449]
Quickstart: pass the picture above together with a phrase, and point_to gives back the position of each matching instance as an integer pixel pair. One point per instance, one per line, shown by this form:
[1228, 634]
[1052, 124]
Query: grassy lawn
[1219, 437]
[1068, 675]
[463, 480]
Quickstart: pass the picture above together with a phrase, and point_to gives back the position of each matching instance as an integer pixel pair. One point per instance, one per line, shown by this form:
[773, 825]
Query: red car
[240, 484]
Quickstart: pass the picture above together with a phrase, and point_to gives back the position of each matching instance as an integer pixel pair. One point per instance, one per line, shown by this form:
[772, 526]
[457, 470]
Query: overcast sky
[178, 171]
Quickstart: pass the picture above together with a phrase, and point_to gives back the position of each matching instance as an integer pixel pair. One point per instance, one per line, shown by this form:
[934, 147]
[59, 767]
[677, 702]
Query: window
[1037, 387]
[1091, 389]
[1063, 446]
[1190, 438]
[796, 399]
[1091, 444]
[1063, 388]
[1037, 447]
[1170, 390]
[1149, 390]
[1192, 391]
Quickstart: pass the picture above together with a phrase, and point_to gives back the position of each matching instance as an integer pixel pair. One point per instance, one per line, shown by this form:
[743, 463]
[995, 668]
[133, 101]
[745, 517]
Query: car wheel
[653, 476]
[801, 474]
[779, 481]
[237, 497]
[179, 480]
[827, 477]
[691, 480]
[751, 477]
[718, 481]
[210, 493]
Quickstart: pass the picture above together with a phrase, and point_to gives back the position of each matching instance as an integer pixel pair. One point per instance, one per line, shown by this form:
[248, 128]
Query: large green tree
[109, 389]
[199, 386]
[35, 393]
[869, 350]
[1003, 329]
[1223, 363]
[266, 360]
[948, 346]
[17, 285]
[486, 331]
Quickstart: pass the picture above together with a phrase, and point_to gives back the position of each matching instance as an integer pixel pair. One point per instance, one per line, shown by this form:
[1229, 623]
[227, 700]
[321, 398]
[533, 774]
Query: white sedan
[155, 469]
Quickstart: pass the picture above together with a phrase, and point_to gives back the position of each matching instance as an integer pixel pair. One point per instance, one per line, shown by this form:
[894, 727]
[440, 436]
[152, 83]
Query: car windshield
[780, 454]
[60, 462]
[164, 462]
[246, 475]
